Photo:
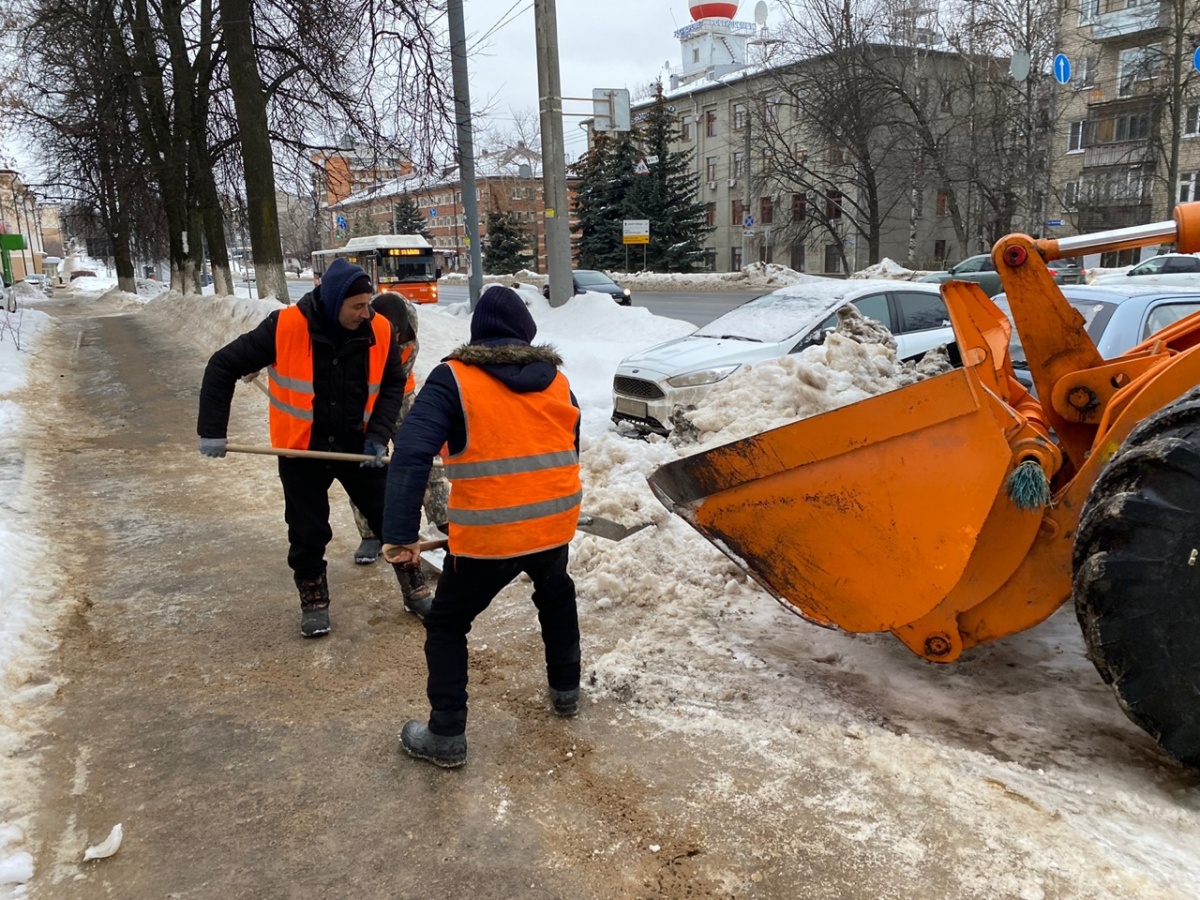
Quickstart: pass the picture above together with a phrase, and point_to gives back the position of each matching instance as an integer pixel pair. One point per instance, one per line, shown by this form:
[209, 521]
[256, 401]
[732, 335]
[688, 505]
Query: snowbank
[889, 268]
[28, 601]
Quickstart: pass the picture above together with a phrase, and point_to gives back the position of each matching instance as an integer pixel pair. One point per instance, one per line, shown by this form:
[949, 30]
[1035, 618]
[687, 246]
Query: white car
[649, 385]
[1179, 269]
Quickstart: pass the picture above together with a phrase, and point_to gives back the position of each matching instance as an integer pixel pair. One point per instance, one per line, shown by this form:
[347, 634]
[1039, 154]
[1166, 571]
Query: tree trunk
[250, 103]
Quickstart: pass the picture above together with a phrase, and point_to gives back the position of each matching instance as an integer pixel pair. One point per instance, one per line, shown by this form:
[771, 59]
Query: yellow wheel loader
[962, 509]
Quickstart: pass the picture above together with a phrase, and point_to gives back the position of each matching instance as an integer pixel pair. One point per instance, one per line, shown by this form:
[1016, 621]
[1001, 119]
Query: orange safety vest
[514, 488]
[406, 354]
[291, 378]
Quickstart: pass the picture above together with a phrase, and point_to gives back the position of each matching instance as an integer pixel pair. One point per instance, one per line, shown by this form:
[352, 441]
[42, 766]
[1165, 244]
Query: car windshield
[593, 278]
[1096, 314]
[781, 314]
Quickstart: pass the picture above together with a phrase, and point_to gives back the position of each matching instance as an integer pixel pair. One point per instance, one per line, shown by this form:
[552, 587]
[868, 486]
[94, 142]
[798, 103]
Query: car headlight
[626, 292]
[704, 376]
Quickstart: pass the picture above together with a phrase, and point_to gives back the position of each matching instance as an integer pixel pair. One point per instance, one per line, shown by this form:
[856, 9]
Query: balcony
[1111, 26]
[1126, 153]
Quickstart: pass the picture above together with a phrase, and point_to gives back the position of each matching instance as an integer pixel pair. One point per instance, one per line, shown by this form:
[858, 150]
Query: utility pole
[466, 146]
[554, 162]
[746, 236]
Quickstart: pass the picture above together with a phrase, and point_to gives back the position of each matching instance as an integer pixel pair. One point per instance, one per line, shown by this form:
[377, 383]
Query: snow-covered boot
[314, 606]
[418, 596]
[566, 703]
[447, 752]
[368, 551]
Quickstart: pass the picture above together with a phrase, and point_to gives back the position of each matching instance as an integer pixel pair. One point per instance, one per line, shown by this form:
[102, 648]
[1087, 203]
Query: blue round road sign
[749, 223]
[1196, 60]
[1062, 68]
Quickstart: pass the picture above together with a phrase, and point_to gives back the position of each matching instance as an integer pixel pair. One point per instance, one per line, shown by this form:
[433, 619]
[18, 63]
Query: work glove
[214, 447]
[379, 451]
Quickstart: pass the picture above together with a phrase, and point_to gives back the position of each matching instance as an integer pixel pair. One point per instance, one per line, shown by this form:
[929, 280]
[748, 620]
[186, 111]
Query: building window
[737, 212]
[516, 193]
[735, 259]
[739, 165]
[942, 206]
[710, 169]
[710, 215]
[798, 256]
[799, 209]
[739, 116]
[1191, 120]
[1075, 140]
[771, 111]
[1134, 65]
[836, 156]
[695, 54]
[939, 252]
[833, 258]
[833, 206]
[710, 123]
[685, 128]
[766, 211]
[1071, 195]
[1089, 69]
[1187, 187]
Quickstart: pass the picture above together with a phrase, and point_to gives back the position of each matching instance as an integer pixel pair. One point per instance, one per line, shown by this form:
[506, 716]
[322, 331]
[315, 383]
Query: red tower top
[712, 9]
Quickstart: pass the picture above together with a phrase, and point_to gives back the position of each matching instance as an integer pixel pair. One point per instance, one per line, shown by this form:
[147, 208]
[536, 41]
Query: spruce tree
[507, 241]
[407, 218]
[667, 196]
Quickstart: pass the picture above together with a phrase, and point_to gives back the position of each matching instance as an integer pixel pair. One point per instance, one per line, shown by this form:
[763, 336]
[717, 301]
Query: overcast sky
[602, 44]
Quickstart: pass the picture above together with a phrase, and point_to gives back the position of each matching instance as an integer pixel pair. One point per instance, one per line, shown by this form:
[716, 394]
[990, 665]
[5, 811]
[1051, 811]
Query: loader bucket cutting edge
[803, 510]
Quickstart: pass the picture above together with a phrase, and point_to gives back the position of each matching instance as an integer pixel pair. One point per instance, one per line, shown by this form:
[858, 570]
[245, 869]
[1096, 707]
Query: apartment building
[20, 214]
[1118, 117]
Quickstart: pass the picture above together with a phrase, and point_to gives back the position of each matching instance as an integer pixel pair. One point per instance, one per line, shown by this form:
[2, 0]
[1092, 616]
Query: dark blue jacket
[437, 419]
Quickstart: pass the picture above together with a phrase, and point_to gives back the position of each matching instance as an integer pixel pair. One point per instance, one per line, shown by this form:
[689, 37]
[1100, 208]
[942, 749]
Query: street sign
[748, 232]
[641, 168]
[749, 223]
[635, 231]
[610, 109]
[1196, 60]
[651, 160]
[1062, 68]
[432, 212]
[341, 222]
[1054, 223]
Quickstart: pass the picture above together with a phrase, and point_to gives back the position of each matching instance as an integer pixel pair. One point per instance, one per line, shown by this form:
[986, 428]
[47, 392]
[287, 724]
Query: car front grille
[637, 387]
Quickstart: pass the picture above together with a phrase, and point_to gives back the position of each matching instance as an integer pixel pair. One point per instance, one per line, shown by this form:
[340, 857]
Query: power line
[502, 23]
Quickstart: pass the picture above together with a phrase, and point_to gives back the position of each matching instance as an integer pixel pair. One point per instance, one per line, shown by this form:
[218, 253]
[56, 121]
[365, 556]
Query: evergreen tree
[611, 189]
[668, 195]
[407, 218]
[507, 241]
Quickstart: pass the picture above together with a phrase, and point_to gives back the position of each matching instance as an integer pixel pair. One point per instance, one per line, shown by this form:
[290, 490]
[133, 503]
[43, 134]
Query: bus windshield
[409, 269]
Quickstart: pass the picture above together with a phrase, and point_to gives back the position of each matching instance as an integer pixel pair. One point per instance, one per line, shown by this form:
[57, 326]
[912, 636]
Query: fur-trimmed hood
[522, 367]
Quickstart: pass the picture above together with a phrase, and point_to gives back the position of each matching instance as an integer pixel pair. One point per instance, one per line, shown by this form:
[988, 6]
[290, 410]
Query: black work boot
[368, 551]
[418, 596]
[566, 703]
[447, 752]
[314, 606]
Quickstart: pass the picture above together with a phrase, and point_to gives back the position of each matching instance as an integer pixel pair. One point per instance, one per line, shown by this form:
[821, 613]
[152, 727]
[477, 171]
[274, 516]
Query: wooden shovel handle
[304, 454]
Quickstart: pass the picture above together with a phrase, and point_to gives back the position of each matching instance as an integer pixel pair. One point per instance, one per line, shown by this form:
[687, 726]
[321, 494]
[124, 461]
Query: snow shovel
[589, 523]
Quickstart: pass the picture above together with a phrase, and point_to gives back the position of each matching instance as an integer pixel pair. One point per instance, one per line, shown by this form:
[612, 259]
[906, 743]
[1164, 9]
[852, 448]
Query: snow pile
[28, 597]
[1093, 274]
[88, 284]
[889, 268]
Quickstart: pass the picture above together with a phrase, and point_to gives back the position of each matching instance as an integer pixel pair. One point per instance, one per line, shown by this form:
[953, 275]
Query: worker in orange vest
[507, 425]
[336, 383]
[403, 317]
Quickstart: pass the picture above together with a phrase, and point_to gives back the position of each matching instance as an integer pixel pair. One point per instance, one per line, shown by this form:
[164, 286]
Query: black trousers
[306, 484]
[465, 589]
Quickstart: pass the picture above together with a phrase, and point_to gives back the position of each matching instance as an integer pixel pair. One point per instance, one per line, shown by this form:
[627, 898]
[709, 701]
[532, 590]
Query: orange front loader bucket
[868, 517]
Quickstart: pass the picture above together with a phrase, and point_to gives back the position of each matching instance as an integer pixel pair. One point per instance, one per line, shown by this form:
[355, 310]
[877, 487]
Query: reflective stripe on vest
[406, 353]
[291, 378]
[514, 488]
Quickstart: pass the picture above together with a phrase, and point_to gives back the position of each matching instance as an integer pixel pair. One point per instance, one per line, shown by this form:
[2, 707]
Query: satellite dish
[1018, 67]
[760, 13]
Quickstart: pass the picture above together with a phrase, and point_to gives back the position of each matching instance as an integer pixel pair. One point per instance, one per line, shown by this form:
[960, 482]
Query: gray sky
[602, 43]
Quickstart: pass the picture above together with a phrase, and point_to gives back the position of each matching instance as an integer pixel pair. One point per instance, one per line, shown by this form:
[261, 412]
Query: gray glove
[214, 447]
[379, 451]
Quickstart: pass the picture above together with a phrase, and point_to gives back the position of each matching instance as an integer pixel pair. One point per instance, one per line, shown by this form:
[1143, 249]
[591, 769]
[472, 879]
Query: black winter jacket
[339, 383]
[437, 418]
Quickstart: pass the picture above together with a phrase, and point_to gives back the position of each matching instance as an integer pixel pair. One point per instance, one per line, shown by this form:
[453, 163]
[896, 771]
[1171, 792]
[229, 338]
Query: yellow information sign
[635, 239]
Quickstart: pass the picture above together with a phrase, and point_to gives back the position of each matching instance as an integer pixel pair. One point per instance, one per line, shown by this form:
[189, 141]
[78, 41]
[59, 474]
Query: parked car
[1117, 317]
[982, 271]
[592, 280]
[1167, 268]
[649, 385]
[41, 282]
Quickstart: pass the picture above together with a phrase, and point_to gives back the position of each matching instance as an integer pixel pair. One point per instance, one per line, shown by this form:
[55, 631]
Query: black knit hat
[360, 285]
[501, 314]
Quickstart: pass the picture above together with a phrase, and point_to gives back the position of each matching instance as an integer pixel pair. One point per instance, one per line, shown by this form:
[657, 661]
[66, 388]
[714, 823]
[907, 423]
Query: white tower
[714, 44]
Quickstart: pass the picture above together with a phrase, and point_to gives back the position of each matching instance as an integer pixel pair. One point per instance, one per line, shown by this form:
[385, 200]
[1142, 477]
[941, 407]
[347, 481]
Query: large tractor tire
[1137, 576]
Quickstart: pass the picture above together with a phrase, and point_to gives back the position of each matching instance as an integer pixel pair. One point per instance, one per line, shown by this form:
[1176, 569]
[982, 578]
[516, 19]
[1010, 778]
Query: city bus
[403, 263]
